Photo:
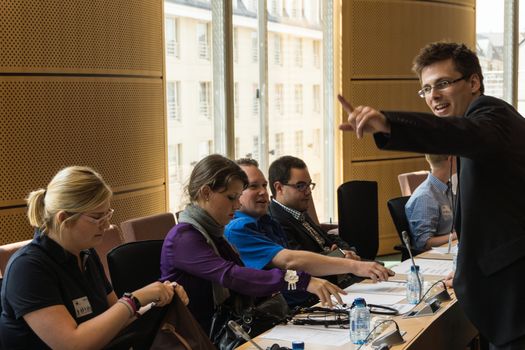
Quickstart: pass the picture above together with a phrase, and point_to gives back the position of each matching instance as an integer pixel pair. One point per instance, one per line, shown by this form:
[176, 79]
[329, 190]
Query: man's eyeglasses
[106, 217]
[442, 85]
[302, 186]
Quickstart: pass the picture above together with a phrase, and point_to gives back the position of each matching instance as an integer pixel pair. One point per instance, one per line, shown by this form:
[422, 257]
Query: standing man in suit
[291, 187]
[488, 135]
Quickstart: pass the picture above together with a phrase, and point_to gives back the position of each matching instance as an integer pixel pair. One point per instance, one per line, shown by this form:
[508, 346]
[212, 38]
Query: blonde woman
[55, 294]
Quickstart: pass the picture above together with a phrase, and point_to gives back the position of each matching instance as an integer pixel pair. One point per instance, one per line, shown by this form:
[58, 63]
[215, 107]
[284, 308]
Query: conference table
[446, 329]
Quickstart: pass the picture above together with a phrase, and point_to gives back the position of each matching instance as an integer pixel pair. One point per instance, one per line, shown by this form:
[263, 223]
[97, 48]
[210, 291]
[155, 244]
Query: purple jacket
[187, 259]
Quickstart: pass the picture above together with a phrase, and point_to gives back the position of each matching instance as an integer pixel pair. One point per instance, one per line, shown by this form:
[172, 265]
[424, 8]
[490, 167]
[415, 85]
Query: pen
[449, 242]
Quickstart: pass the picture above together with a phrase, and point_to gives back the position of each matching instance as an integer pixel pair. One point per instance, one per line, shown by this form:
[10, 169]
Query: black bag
[254, 320]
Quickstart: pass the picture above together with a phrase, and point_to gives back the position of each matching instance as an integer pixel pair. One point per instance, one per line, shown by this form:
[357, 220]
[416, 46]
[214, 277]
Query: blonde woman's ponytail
[36, 208]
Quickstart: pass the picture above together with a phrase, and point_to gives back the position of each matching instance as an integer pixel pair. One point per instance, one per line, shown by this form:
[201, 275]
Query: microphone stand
[406, 241]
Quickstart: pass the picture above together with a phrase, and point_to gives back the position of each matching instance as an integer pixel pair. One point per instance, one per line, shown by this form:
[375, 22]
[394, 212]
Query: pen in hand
[449, 242]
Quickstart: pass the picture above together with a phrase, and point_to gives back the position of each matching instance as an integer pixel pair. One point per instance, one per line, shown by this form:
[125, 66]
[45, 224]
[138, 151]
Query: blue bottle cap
[414, 268]
[359, 302]
[297, 345]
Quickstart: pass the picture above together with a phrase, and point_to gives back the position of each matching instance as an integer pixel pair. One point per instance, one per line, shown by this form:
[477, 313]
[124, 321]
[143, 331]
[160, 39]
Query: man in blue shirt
[430, 209]
[262, 243]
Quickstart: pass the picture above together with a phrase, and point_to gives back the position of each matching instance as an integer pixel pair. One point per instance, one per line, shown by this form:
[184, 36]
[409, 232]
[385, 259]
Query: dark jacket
[490, 140]
[298, 237]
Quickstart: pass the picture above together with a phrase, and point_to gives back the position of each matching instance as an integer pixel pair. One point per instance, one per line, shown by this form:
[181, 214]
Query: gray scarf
[207, 226]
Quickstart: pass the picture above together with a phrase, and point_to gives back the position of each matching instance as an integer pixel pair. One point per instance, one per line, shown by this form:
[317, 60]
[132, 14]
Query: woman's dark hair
[280, 170]
[214, 171]
[465, 60]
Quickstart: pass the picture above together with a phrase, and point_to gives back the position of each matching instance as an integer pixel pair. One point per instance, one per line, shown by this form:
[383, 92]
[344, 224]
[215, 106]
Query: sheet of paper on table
[433, 267]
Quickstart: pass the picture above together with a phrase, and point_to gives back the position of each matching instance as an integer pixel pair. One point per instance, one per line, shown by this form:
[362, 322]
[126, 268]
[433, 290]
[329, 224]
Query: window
[255, 48]
[297, 9]
[175, 161]
[203, 40]
[298, 98]
[279, 144]
[317, 53]
[173, 89]
[298, 52]
[172, 37]
[236, 100]
[279, 98]
[235, 45]
[317, 98]
[274, 8]
[255, 148]
[205, 99]
[299, 143]
[255, 101]
[277, 50]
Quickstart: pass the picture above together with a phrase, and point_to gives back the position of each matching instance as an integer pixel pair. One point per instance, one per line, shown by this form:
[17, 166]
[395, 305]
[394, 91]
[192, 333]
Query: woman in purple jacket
[196, 254]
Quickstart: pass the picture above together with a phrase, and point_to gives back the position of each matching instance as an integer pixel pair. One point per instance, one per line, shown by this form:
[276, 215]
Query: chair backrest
[408, 182]
[7, 250]
[358, 216]
[133, 265]
[396, 207]
[148, 227]
[112, 238]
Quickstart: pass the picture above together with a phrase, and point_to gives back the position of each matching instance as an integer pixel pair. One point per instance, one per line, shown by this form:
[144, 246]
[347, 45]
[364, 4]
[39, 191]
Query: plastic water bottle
[414, 292]
[359, 321]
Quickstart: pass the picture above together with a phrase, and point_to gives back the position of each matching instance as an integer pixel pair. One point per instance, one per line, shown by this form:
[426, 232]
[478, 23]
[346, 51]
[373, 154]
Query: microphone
[240, 332]
[406, 241]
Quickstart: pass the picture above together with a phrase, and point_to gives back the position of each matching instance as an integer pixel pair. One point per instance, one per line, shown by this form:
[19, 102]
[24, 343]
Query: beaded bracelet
[130, 309]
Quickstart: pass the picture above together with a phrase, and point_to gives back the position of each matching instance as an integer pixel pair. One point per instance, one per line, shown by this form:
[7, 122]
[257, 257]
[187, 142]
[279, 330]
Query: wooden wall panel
[82, 36]
[81, 83]
[386, 35]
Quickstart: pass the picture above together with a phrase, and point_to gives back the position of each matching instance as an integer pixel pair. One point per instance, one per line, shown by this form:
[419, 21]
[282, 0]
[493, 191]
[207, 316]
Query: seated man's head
[290, 182]
[441, 162]
[254, 199]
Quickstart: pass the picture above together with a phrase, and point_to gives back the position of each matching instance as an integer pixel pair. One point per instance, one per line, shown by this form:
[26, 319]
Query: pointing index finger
[346, 105]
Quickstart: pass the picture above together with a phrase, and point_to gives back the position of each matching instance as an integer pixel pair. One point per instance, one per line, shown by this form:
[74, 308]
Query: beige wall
[378, 42]
[81, 82]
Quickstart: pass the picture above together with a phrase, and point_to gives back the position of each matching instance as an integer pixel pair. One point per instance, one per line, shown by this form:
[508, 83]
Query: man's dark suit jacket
[490, 140]
[298, 237]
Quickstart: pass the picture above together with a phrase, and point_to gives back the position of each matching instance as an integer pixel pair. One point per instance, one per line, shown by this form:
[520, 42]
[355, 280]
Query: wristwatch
[133, 298]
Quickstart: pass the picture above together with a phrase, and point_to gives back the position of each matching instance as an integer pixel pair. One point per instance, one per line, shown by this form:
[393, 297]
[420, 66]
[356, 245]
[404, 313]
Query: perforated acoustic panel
[385, 173]
[82, 36]
[386, 35]
[14, 225]
[115, 125]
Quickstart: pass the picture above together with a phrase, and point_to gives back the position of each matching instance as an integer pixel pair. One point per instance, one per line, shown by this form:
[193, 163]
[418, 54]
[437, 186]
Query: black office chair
[358, 216]
[396, 206]
[132, 266]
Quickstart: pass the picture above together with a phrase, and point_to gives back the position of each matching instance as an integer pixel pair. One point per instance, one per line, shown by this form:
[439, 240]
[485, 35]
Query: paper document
[391, 288]
[310, 334]
[371, 298]
[433, 267]
[444, 250]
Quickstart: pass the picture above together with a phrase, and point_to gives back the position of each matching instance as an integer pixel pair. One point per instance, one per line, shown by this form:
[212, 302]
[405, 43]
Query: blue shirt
[256, 240]
[429, 211]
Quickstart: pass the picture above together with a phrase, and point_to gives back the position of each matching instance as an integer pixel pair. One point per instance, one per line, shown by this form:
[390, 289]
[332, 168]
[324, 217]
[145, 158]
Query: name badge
[82, 307]
[446, 211]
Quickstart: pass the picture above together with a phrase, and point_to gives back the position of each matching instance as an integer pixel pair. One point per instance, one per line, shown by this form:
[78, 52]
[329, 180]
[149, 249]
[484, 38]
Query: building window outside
[279, 144]
[205, 99]
[298, 98]
[255, 148]
[203, 38]
[279, 99]
[255, 101]
[235, 45]
[173, 90]
[172, 36]
[298, 52]
[316, 97]
[277, 50]
[299, 143]
[236, 99]
[317, 53]
[255, 48]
